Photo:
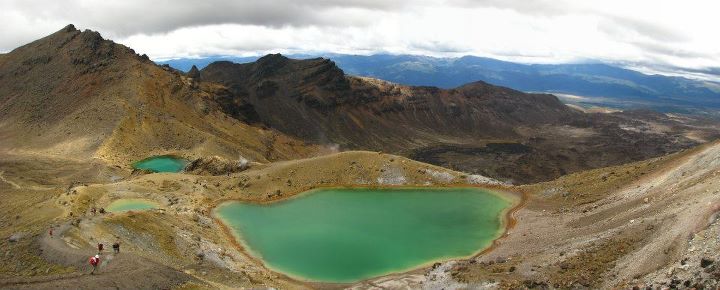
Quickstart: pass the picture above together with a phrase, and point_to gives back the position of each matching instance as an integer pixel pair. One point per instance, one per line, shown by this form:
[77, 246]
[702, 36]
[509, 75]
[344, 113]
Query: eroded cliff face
[314, 100]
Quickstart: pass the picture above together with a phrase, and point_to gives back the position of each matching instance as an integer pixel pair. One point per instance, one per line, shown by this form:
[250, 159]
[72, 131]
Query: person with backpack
[94, 262]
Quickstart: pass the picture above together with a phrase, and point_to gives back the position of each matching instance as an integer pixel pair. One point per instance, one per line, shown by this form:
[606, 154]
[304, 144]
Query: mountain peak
[69, 28]
[194, 72]
[66, 33]
[272, 62]
[70, 49]
[274, 57]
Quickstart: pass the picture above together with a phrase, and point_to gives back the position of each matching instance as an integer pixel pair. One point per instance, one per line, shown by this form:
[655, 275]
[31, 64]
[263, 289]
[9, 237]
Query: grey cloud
[661, 49]
[551, 8]
[531, 7]
[650, 30]
[653, 39]
[128, 17]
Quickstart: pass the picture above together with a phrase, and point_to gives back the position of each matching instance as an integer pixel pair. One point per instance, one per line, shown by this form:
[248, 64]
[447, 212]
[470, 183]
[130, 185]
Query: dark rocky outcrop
[194, 72]
[706, 262]
[215, 165]
[314, 100]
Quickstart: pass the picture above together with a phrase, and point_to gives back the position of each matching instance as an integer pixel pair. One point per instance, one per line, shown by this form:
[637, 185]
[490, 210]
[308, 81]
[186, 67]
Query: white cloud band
[650, 32]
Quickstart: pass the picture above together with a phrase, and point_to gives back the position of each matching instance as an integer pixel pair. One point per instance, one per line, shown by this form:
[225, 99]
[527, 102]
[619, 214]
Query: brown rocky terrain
[639, 224]
[92, 98]
[181, 235]
[478, 127]
[76, 110]
[76, 94]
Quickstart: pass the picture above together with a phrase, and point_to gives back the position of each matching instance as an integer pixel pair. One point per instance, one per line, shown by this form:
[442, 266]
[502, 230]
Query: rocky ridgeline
[313, 100]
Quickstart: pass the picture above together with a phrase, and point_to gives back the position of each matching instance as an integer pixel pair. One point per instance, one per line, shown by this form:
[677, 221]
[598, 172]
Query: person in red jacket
[94, 262]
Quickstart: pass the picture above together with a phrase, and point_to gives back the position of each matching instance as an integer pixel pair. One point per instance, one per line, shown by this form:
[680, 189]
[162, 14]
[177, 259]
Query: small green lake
[127, 204]
[164, 163]
[347, 235]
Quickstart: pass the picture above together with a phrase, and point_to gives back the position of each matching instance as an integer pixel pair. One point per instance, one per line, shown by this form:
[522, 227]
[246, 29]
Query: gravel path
[121, 271]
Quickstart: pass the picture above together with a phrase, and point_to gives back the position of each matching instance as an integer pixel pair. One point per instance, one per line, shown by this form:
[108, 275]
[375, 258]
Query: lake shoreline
[515, 199]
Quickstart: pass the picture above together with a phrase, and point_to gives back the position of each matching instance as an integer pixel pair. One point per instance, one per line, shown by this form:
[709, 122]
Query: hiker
[50, 232]
[94, 262]
[93, 210]
[100, 248]
[116, 247]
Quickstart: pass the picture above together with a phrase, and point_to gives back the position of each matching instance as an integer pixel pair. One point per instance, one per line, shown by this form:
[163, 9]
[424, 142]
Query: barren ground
[606, 228]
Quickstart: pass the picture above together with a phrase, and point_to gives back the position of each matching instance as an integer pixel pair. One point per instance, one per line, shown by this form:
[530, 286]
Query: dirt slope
[606, 228]
[613, 227]
[116, 271]
[76, 94]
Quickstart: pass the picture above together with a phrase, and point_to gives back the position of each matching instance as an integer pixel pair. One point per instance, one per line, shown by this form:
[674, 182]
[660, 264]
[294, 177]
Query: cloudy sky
[655, 35]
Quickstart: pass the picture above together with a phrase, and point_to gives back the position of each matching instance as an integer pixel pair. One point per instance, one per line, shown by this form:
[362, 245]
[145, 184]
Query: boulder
[705, 262]
[14, 238]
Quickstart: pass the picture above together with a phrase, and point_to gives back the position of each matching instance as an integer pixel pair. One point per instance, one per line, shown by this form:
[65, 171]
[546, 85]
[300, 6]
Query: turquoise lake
[347, 235]
[163, 163]
[127, 204]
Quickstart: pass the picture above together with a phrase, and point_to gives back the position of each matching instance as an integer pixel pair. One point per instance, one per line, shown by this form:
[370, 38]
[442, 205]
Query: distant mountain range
[74, 93]
[583, 84]
[477, 127]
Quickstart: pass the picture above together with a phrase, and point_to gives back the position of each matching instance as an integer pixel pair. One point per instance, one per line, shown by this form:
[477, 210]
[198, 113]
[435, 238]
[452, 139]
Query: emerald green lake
[130, 204]
[346, 235]
[163, 163]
